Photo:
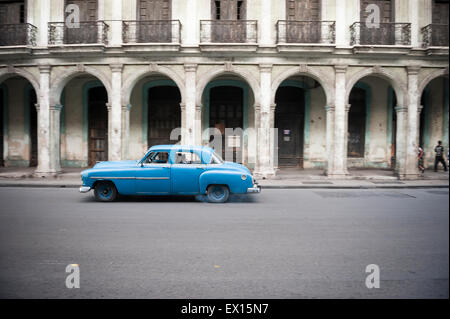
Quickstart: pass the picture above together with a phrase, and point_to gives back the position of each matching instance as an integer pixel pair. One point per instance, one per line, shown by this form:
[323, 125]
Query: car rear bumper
[256, 189]
[84, 189]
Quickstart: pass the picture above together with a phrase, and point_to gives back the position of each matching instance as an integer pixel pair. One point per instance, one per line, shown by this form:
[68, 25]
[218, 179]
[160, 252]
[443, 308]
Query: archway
[300, 120]
[227, 115]
[84, 121]
[372, 124]
[18, 101]
[433, 123]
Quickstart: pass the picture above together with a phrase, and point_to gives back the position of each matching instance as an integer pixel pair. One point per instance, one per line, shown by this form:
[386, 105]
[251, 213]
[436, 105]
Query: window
[217, 10]
[157, 158]
[239, 9]
[216, 159]
[187, 158]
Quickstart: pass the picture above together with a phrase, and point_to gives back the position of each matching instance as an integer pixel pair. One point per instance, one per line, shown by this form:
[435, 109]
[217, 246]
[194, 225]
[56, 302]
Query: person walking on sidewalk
[439, 150]
[421, 161]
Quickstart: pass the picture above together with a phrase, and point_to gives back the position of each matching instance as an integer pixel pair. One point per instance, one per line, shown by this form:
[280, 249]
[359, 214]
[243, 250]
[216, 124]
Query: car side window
[187, 158]
[157, 158]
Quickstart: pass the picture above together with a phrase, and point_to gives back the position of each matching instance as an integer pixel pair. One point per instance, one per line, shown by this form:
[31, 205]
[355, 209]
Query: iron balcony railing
[435, 35]
[152, 31]
[87, 32]
[228, 31]
[17, 34]
[388, 33]
[319, 32]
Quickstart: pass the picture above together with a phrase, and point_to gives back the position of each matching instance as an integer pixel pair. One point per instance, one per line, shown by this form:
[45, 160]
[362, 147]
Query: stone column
[411, 171]
[341, 24]
[55, 138]
[414, 19]
[265, 24]
[419, 112]
[43, 113]
[191, 134]
[125, 130]
[400, 141]
[330, 139]
[115, 114]
[265, 147]
[42, 28]
[340, 124]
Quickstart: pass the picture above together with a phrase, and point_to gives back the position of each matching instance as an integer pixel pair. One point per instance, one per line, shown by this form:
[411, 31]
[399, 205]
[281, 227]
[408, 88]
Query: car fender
[123, 179]
[231, 178]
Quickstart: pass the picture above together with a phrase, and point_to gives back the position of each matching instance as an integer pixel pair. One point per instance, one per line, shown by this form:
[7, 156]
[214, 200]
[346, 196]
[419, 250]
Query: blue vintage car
[170, 170]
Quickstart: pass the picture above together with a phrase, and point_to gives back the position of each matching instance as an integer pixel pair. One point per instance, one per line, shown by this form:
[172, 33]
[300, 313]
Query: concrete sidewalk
[286, 178]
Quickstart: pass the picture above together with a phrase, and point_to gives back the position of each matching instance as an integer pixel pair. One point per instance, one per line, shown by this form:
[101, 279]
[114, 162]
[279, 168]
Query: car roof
[181, 147]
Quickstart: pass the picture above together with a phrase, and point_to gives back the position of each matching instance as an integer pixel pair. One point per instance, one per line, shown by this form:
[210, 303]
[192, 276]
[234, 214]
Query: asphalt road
[278, 244]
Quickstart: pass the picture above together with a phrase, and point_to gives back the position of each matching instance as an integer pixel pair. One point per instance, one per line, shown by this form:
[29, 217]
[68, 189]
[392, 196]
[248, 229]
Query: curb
[29, 185]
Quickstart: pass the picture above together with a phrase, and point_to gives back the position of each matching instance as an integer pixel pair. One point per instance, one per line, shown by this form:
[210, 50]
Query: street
[311, 243]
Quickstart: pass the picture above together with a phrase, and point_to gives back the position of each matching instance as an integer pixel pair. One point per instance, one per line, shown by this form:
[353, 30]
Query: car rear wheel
[105, 192]
[218, 193]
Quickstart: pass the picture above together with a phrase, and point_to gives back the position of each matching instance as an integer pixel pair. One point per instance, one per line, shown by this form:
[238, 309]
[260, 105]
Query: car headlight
[244, 177]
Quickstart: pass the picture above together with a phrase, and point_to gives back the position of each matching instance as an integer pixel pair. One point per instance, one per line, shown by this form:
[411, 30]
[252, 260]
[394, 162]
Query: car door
[153, 175]
[186, 169]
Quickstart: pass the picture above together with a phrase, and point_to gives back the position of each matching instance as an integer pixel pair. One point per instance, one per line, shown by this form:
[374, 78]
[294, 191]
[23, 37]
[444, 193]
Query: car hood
[116, 164]
[232, 165]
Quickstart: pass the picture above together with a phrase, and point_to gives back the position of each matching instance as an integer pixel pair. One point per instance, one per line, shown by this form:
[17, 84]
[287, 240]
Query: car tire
[218, 193]
[105, 192]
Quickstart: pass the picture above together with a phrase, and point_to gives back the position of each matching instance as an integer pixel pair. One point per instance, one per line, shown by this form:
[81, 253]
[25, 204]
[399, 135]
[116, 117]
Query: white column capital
[400, 109]
[413, 69]
[265, 68]
[56, 107]
[340, 68]
[44, 68]
[116, 67]
[190, 67]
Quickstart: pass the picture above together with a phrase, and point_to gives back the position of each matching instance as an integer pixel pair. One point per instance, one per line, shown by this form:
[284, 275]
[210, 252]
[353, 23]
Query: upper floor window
[386, 10]
[228, 9]
[440, 12]
[154, 10]
[303, 10]
[88, 9]
[12, 12]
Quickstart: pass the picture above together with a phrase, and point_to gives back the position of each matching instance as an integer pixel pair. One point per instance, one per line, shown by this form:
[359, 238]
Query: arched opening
[155, 116]
[372, 125]
[300, 122]
[164, 114]
[97, 125]
[18, 123]
[84, 122]
[289, 120]
[433, 122]
[228, 118]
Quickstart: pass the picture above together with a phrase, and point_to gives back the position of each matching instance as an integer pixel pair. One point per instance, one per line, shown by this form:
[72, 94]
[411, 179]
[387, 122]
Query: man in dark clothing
[439, 157]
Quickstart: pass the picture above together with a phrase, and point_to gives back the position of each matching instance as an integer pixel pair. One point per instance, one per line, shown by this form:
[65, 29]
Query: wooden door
[303, 21]
[88, 31]
[394, 133]
[357, 123]
[385, 34]
[226, 109]
[440, 23]
[289, 120]
[2, 163]
[164, 114]
[12, 14]
[228, 24]
[98, 125]
[154, 21]
[33, 129]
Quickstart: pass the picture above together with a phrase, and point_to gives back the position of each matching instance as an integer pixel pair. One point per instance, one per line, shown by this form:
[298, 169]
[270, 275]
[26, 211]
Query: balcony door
[357, 123]
[228, 25]
[154, 23]
[88, 30]
[303, 21]
[385, 34]
[12, 15]
[440, 22]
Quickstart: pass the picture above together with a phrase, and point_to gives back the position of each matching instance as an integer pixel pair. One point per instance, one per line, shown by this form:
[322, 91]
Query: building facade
[330, 84]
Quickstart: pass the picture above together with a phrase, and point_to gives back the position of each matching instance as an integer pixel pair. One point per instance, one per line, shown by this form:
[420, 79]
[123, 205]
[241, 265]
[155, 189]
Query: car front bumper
[84, 189]
[256, 189]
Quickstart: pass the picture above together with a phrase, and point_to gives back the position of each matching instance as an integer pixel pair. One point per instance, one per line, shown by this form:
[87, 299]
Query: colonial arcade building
[311, 83]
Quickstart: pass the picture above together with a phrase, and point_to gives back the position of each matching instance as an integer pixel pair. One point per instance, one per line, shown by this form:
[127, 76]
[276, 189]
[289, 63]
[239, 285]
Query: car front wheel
[218, 193]
[105, 192]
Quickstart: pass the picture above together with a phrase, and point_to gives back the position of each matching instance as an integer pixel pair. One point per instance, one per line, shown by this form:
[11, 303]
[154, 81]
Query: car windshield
[216, 159]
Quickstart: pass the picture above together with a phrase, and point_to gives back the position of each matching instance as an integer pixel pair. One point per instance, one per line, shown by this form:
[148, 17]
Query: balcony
[86, 33]
[386, 34]
[435, 35]
[154, 31]
[19, 34]
[306, 32]
[242, 34]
